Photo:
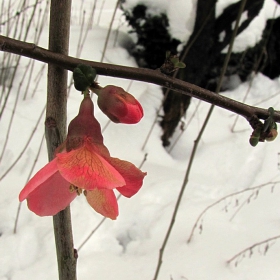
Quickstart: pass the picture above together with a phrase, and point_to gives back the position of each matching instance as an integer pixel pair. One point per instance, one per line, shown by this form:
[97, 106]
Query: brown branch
[55, 130]
[139, 74]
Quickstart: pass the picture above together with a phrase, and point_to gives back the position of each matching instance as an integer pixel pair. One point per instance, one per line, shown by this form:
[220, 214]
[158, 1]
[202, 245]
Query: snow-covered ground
[128, 248]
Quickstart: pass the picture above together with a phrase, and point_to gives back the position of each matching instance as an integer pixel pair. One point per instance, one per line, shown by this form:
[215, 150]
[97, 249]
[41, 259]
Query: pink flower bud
[119, 105]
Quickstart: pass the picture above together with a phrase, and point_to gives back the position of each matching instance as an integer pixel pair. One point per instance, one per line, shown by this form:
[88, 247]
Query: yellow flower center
[73, 188]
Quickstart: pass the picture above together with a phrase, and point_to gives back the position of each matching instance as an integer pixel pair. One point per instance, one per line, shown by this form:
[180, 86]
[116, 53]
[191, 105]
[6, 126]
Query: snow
[181, 29]
[128, 248]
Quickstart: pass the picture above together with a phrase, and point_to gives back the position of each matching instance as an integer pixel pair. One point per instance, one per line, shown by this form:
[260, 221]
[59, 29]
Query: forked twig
[198, 219]
[196, 142]
[250, 249]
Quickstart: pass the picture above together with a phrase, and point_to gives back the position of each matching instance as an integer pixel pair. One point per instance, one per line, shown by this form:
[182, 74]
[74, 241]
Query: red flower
[83, 165]
[119, 105]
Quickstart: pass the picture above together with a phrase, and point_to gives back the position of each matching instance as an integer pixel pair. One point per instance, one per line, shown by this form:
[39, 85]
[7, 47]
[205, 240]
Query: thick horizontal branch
[139, 74]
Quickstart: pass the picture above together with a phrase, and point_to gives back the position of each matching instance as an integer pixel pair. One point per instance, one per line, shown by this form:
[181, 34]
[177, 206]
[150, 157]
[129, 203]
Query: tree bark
[59, 31]
[197, 60]
[204, 59]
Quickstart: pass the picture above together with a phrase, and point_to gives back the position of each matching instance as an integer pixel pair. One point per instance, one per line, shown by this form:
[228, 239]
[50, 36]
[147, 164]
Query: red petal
[134, 113]
[104, 202]
[86, 169]
[52, 196]
[132, 175]
[119, 105]
[39, 178]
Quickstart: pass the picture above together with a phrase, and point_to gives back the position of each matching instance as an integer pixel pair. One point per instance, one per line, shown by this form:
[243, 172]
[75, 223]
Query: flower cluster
[83, 164]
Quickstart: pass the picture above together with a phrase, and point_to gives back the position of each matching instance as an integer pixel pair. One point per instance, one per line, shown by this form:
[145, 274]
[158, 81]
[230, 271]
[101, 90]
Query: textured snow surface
[128, 248]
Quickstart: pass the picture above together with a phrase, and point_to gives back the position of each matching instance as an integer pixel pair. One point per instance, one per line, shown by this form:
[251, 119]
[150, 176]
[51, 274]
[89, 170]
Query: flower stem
[55, 127]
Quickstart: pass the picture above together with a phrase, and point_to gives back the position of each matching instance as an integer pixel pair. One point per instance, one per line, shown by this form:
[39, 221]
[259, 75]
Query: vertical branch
[196, 142]
[109, 30]
[56, 129]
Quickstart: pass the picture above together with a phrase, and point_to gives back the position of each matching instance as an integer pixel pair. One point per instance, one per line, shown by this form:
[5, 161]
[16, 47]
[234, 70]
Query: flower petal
[133, 176]
[104, 202]
[134, 114]
[40, 177]
[84, 168]
[52, 196]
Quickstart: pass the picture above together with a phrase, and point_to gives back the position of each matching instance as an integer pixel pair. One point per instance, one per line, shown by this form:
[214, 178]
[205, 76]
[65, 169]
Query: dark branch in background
[203, 52]
[196, 55]
[225, 20]
[272, 67]
[264, 57]
[153, 38]
[139, 74]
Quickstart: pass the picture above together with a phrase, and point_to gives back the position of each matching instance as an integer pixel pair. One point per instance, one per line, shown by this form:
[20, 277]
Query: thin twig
[28, 177]
[198, 219]
[185, 128]
[27, 71]
[155, 121]
[250, 248]
[10, 125]
[18, 59]
[18, 14]
[100, 13]
[25, 147]
[167, 91]
[37, 35]
[109, 30]
[256, 66]
[78, 51]
[38, 79]
[196, 142]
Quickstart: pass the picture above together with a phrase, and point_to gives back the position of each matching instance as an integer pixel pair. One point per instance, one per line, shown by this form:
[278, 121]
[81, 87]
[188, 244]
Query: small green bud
[84, 76]
[271, 111]
[269, 122]
[254, 141]
[255, 137]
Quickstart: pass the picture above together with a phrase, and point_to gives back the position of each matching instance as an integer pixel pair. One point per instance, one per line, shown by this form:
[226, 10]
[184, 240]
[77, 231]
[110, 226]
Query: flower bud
[255, 137]
[254, 140]
[271, 135]
[119, 105]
